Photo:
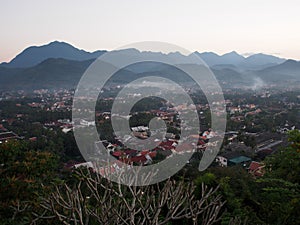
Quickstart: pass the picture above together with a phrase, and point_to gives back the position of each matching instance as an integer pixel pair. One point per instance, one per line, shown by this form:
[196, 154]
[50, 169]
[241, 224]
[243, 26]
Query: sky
[245, 26]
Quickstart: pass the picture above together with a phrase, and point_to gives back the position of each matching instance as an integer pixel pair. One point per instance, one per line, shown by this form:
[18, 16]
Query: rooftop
[240, 159]
[8, 135]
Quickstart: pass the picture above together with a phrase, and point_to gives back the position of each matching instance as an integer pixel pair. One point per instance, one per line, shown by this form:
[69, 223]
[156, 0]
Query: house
[33, 139]
[170, 136]
[256, 169]
[168, 145]
[5, 136]
[87, 123]
[66, 130]
[140, 159]
[84, 164]
[242, 160]
[140, 129]
[117, 154]
[141, 135]
[232, 158]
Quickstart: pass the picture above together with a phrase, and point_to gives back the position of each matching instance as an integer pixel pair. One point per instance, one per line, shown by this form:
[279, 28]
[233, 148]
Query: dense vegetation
[29, 176]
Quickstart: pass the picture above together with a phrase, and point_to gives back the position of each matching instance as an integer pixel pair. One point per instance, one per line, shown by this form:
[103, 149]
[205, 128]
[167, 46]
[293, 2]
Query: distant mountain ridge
[67, 64]
[34, 55]
[63, 73]
[255, 61]
[212, 58]
[51, 73]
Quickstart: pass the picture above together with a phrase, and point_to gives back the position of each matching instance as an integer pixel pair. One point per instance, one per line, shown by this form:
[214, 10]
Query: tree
[279, 201]
[285, 164]
[279, 193]
[25, 176]
[95, 200]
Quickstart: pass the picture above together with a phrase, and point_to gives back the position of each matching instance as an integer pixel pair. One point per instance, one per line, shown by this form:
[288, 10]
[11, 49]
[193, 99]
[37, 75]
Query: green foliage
[285, 163]
[26, 175]
[208, 179]
[272, 199]
[279, 201]
[140, 119]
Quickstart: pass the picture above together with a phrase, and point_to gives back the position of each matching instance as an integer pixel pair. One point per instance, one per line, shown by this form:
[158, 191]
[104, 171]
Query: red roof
[137, 159]
[117, 153]
[33, 139]
[152, 154]
[200, 142]
[167, 144]
[144, 152]
[254, 165]
[256, 168]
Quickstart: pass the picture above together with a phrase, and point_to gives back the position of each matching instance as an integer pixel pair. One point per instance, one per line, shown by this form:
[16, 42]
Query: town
[257, 126]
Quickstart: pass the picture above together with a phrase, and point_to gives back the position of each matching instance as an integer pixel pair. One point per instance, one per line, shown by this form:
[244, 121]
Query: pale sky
[246, 26]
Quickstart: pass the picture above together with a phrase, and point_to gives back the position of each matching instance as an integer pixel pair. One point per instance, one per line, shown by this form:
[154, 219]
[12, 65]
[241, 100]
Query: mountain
[63, 73]
[51, 73]
[291, 67]
[60, 65]
[261, 60]
[232, 58]
[212, 59]
[228, 60]
[36, 54]
[286, 71]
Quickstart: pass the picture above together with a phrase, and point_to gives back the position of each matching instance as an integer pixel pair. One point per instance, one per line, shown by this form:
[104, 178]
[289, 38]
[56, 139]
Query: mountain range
[36, 54]
[255, 61]
[61, 65]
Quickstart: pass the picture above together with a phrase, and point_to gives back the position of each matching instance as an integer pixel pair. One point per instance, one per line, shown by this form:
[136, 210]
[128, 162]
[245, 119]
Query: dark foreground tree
[95, 200]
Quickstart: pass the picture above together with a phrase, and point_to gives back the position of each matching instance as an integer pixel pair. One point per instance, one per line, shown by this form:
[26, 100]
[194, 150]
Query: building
[257, 169]
[87, 123]
[232, 158]
[5, 136]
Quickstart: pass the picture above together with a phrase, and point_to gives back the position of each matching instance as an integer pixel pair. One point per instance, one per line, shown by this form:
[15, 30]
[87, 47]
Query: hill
[36, 54]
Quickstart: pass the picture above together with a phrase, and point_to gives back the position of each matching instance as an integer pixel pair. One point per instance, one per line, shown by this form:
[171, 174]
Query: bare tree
[238, 221]
[96, 200]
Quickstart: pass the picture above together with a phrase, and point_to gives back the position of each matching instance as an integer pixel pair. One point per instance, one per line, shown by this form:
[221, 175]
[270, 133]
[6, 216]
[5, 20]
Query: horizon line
[244, 55]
